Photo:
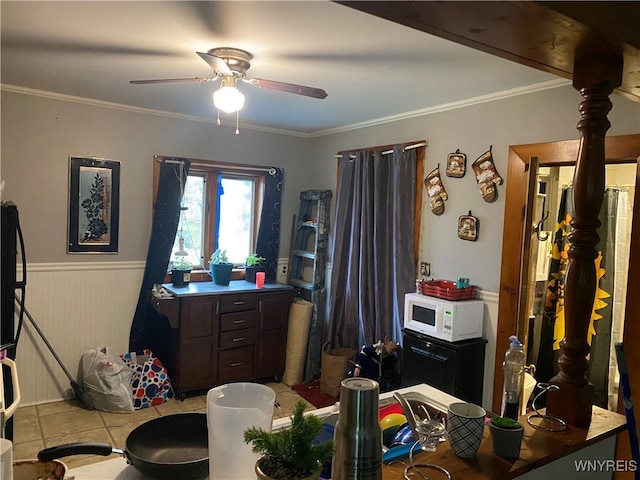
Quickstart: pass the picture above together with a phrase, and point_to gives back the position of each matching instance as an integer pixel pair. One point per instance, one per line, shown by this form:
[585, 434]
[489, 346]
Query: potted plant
[220, 267]
[506, 436]
[291, 453]
[181, 271]
[253, 264]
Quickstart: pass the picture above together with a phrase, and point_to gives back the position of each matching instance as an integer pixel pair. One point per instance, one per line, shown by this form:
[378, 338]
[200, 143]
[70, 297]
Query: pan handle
[78, 448]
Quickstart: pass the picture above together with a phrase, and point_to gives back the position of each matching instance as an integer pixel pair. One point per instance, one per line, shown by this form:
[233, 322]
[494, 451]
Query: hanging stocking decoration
[436, 191]
[487, 176]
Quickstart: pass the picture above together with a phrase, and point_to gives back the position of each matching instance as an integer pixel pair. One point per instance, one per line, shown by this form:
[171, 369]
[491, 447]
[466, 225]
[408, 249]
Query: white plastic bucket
[231, 409]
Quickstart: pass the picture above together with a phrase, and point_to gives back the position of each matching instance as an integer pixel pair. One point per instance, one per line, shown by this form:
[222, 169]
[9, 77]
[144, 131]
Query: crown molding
[538, 87]
[491, 97]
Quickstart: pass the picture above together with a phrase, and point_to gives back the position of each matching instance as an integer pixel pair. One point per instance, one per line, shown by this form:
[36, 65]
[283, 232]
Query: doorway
[517, 240]
[544, 327]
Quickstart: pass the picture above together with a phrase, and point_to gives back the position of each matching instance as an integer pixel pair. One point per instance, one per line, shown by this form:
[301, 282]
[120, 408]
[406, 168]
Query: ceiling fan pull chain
[237, 122]
[218, 119]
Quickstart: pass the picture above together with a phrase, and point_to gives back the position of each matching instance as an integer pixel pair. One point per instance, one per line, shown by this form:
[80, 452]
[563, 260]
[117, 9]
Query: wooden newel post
[597, 71]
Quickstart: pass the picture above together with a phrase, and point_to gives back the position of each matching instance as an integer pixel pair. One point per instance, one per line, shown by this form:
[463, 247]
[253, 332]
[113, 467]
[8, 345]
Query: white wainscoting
[78, 306]
[489, 332]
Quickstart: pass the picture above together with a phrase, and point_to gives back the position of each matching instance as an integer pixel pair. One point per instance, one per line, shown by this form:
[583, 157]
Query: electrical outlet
[425, 269]
[283, 269]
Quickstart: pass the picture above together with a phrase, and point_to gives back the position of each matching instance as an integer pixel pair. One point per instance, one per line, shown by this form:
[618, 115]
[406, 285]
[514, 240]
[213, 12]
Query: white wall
[38, 134]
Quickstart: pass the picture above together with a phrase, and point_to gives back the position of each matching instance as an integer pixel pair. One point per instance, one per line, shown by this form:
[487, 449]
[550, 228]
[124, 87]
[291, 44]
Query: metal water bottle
[358, 439]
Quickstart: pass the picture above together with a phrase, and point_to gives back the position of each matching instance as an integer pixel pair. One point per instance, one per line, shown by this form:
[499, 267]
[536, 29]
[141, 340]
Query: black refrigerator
[12, 246]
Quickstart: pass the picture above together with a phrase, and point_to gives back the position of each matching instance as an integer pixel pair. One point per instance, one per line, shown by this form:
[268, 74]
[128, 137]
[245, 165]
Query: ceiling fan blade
[288, 87]
[174, 80]
[219, 65]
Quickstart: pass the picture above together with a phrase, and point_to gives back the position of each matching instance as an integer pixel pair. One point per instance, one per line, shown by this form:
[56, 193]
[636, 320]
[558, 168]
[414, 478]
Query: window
[220, 209]
[235, 232]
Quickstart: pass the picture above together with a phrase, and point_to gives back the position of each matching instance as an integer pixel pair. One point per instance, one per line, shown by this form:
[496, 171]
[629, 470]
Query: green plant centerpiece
[219, 257]
[253, 264]
[181, 271]
[506, 436]
[290, 453]
[254, 260]
[220, 267]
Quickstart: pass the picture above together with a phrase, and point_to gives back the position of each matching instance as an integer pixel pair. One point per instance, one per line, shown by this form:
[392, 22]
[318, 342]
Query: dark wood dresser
[223, 334]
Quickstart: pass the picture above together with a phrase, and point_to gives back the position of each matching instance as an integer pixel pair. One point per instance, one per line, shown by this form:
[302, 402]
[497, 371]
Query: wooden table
[539, 448]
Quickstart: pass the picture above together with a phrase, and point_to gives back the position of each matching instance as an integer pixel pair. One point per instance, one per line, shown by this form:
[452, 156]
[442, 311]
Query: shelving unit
[308, 264]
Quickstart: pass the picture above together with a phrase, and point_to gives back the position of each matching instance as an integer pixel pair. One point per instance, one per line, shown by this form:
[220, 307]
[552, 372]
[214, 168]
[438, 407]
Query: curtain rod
[213, 164]
[386, 152]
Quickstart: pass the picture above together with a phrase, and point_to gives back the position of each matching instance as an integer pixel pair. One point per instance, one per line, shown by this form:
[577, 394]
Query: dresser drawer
[238, 320]
[237, 338]
[235, 364]
[238, 303]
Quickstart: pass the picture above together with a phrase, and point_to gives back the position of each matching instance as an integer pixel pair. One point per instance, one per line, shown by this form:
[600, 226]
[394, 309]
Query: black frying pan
[172, 446]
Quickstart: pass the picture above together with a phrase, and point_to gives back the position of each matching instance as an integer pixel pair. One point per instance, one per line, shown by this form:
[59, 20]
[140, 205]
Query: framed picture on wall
[94, 205]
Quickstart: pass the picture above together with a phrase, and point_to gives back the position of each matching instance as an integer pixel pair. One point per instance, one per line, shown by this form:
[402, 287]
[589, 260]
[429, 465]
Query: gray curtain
[373, 247]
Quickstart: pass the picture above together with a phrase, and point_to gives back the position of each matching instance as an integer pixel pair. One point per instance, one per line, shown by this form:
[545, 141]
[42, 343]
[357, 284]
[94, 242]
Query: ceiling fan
[231, 64]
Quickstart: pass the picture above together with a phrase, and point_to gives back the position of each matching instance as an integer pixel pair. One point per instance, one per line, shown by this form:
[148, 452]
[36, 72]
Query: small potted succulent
[253, 264]
[291, 453]
[506, 436]
[181, 271]
[220, 267]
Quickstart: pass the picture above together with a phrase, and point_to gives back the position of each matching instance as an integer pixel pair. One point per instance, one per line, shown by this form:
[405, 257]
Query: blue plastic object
[401, 451]
[323, 437]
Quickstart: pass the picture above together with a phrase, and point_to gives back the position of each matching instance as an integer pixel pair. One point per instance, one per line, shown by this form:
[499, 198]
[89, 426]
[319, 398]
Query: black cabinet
[455, 368]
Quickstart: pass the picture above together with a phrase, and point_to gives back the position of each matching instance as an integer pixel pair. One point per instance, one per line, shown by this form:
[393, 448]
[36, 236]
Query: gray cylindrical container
[358, 440]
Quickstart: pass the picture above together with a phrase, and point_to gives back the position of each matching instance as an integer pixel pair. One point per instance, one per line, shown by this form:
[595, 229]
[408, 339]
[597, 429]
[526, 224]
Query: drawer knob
[237, 364]
[239, 303]
[236, 322]
[239, 339]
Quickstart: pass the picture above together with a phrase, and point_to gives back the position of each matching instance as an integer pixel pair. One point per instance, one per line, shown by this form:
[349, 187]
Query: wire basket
[446, 289]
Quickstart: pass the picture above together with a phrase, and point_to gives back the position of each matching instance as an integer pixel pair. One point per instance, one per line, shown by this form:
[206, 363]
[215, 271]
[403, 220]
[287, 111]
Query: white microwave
[448, 320]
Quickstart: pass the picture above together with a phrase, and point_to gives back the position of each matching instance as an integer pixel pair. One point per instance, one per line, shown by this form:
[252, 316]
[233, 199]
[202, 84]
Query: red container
[447, 290]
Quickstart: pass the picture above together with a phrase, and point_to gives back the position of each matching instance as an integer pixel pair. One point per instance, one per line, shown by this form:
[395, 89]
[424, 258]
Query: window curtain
[373, 247]
[149, 328]
[268, 241]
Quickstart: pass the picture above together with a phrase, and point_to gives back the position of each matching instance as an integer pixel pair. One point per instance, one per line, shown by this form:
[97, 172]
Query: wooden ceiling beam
[540, 35]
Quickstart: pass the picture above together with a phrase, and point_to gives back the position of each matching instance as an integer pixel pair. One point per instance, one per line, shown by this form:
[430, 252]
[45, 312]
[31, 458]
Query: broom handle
[44, 339]
[628, 405]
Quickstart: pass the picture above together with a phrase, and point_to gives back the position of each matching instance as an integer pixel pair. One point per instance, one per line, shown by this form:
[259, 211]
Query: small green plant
[254, 260]
[506, 423]
[181, 263]
[219, 256]
[289, 453]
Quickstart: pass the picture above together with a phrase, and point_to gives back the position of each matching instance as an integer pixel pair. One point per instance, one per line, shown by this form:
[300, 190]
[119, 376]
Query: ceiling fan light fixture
[228, 98]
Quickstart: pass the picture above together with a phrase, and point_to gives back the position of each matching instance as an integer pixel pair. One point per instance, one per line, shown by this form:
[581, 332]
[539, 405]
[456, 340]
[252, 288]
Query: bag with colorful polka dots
[150, 382]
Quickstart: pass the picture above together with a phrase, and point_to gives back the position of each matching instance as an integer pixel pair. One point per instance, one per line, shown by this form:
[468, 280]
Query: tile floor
[41, 426]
